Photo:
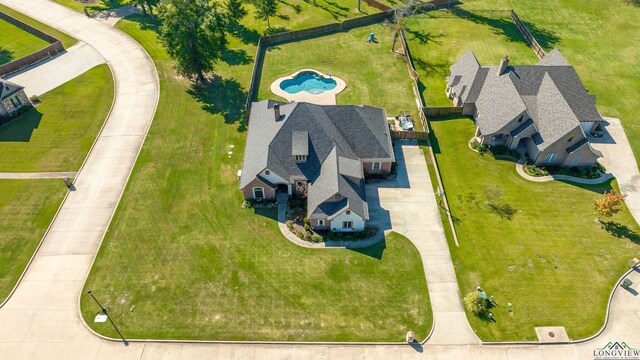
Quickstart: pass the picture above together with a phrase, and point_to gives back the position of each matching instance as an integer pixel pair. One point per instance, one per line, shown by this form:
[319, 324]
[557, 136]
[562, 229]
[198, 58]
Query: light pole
[104, 311]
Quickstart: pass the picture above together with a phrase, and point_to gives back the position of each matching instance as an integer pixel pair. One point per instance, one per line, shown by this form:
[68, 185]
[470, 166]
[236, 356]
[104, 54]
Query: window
[521, 118]
[576, 160]
[14, 102]
[375, 166]
[348, 212]
[267, 172]
[347, 224]
[321, 222]
[301, 158]
[570, 138]
[551, 157]
[258, 193]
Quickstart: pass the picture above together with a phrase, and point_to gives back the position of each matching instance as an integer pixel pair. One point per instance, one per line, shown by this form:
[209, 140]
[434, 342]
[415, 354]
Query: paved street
[41, 319]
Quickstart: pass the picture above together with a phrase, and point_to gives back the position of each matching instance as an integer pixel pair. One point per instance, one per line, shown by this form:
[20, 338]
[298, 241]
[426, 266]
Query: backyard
[56, 135]
[183, 260]
[374, 76]
[67, 41]
[26, 209]
[16, 43]
[534, 245]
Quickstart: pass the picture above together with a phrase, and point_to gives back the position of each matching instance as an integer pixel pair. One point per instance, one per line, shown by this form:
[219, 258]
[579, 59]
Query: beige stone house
[542, 109]
[12, 99]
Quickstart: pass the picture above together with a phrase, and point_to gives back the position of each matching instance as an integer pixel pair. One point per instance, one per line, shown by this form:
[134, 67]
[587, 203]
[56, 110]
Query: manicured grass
[374, 76]
[551, 260]
[599, 41]
[197, 266]
[67, 41]
[57, 135]
[438, 39]
[17, 43]
[26, 209]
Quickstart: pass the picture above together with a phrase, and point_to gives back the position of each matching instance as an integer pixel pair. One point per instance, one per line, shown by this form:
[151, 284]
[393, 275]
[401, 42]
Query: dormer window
[301, 158]
[267, 172]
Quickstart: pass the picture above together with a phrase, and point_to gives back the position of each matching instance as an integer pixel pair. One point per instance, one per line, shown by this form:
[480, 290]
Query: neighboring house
[542, 109]
[12, 99]
[321, 152]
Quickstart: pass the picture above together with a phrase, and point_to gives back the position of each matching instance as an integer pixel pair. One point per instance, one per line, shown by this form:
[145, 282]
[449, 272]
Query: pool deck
[326, 98]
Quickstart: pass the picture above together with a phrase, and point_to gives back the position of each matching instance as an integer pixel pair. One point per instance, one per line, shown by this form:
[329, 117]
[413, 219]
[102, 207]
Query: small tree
[399, 22]
[475, 304]
[235, 9]
[266, 9]
[146, 5]
[609, 204]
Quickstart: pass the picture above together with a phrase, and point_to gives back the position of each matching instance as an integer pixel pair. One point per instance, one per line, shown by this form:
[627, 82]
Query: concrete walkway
[49, 74]
[41, 319]
[39, 175]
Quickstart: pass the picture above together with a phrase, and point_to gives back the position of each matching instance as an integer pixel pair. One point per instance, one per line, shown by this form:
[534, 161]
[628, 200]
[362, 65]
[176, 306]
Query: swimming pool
[308, 81]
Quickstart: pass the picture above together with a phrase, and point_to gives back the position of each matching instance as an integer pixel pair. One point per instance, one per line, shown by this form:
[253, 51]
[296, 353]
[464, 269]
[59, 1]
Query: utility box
[411, 337]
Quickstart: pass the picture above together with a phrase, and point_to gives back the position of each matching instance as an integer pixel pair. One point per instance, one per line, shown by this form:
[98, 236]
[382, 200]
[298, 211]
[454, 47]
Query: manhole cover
[551, 334]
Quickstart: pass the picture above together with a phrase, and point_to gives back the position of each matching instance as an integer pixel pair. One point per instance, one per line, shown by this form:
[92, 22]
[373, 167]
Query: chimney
[504, 64]
[276, 111]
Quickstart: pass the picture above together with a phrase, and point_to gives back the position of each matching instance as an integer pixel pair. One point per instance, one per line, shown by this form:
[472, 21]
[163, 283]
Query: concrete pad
[552, 334]
[438, 271]
[199, 351]
[157, 351]
[48, 75]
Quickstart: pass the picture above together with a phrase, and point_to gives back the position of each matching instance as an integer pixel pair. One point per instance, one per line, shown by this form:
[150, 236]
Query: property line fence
[409, 135]
[328, 29]
[528, 36]
[55, 47]
[378, 5]
[443, 110]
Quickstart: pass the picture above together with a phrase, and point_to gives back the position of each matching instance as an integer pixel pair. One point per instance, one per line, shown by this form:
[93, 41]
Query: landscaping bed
[524, 242]
[593, 172]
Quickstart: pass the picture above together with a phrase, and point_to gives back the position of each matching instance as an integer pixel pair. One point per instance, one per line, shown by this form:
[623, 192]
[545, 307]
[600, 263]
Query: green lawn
[16, 43]
[551, 260]
[26, 209]
[374, 76]
[57, 135]
[67, 41]
[598, 40]
[197, 266]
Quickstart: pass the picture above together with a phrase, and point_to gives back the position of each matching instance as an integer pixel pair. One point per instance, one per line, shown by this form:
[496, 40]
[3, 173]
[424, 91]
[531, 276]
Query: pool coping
[325, 98]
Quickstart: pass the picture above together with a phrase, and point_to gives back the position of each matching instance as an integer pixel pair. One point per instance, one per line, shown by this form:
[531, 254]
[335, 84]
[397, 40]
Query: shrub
[316, 238]
[247, 204]
[307, 227]
[35, 100]
[307, 221]
[300, 234]
[477, 146]
[475, 304]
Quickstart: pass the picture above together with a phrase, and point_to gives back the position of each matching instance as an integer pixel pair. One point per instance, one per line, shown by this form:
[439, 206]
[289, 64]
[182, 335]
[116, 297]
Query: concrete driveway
[48, 75]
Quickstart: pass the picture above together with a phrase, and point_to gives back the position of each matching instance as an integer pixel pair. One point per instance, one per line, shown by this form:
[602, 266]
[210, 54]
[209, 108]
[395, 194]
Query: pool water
[308, 81]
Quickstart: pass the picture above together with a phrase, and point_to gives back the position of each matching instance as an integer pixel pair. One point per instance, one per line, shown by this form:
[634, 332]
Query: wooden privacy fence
[409, 135]
[527, 35]
[443, 110]
[55, 47]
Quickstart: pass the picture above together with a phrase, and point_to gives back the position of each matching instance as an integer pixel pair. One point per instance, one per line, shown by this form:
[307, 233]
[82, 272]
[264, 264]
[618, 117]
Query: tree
[192, 31]
[399, 22]
[235, 9]
[145, 5]
[475, 304]
[265, 9]
[609, 204]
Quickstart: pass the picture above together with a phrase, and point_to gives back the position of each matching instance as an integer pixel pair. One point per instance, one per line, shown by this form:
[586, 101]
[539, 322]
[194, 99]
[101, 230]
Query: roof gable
[8, 88]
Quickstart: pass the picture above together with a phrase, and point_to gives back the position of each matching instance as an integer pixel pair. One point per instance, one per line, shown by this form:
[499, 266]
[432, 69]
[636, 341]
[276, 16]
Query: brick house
[12, 99]
[319, 152]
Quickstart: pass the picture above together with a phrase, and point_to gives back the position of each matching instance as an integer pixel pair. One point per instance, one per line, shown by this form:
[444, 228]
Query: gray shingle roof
[463, 74]
[553, 58]
[8, 88]
[555, 118]
[351, 134]
[522, 127]
[498, 103]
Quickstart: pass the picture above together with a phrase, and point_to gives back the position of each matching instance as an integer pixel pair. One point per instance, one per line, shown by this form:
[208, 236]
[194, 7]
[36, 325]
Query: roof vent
[276, 112]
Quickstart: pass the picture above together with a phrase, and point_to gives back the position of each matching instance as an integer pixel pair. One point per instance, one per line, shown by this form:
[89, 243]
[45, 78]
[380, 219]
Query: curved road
[41, 319]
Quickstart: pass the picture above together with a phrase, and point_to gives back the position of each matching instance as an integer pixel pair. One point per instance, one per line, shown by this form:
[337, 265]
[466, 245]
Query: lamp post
[104, 311]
